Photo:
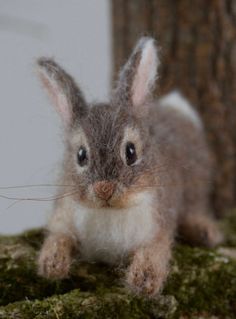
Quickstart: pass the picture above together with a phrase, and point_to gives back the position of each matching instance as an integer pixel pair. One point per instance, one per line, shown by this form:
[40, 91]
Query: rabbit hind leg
[200, 229]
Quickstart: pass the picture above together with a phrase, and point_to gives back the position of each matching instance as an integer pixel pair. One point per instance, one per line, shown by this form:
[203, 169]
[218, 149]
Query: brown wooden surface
[197, 42]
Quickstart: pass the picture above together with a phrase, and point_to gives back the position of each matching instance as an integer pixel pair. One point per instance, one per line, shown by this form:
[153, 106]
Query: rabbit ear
[138, 76]
[62, 89]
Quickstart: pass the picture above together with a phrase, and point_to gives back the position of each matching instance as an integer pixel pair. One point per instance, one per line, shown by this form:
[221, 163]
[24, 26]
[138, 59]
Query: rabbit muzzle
[104, 189]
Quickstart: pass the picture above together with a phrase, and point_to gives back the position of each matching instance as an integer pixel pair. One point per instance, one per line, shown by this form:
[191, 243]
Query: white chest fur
[109, 234]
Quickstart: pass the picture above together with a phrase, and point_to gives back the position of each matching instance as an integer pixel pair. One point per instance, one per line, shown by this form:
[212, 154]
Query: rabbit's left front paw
[145, 277]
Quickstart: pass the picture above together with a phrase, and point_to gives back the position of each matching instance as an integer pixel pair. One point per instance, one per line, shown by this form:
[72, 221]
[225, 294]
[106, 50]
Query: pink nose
[104, 189]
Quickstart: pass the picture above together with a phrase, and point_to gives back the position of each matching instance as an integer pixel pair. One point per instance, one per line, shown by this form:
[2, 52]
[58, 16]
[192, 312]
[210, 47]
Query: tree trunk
[198, 52]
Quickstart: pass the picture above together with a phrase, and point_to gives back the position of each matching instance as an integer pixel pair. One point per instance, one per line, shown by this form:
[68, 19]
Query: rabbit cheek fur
[139, 168]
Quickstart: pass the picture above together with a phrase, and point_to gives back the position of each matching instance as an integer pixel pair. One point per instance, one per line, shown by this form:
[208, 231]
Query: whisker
[14, 203]
[34, 186]
[38, 199]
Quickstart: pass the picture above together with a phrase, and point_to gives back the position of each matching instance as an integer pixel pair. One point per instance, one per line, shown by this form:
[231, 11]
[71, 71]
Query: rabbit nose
[104, 189]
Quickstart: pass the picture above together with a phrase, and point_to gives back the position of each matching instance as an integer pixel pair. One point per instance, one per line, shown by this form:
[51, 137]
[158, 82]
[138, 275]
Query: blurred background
[30, 132]
[91, 39]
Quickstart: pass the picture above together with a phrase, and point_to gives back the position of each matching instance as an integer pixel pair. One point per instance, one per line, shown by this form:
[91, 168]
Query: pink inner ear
[146, 74]
[58, 99]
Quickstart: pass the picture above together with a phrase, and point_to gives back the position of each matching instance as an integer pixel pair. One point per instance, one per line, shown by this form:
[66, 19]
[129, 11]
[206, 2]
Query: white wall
[77, 34]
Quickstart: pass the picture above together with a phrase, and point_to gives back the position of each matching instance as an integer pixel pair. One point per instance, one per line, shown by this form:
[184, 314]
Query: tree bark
[197, 42]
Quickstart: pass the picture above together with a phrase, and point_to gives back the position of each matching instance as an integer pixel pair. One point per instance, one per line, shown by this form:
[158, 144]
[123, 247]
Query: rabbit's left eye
[130, 153]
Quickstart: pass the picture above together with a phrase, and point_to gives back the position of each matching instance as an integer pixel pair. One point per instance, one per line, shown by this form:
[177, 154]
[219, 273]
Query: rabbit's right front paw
[55, 257]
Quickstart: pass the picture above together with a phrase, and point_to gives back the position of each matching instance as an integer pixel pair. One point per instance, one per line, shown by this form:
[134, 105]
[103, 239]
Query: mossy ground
[202, 284]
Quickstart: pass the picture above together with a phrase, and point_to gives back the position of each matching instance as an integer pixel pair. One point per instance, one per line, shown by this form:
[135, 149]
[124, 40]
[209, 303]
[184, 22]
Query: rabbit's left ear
[137, 78]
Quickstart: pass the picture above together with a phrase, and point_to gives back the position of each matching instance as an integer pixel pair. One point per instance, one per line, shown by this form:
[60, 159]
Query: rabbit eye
[130, 153]
[82, 156]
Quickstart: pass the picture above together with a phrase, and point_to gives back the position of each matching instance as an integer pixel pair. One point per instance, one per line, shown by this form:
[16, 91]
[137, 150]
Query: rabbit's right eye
[82, 156]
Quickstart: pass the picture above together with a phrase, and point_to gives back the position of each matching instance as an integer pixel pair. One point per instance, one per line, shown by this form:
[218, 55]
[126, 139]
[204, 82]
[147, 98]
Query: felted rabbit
[140, 170]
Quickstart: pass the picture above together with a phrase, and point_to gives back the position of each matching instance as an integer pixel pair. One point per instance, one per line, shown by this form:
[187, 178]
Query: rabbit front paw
[145, 277]
[55, 258]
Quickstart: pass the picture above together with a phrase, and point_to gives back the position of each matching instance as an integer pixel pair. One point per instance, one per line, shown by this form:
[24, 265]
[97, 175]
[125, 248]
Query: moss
[202, 283]
[114, 303]
[18, 276]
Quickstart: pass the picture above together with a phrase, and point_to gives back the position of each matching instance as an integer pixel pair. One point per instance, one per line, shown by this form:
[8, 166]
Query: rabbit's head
[108, 146]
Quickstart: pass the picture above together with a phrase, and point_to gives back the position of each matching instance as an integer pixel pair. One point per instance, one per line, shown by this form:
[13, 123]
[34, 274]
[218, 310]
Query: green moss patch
[202, 284]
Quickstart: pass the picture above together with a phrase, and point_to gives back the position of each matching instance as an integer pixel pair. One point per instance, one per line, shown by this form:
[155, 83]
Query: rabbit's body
[141, 170]
[110, 233]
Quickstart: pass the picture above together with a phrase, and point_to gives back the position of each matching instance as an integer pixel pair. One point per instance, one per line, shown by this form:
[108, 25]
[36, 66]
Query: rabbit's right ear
[62, 89]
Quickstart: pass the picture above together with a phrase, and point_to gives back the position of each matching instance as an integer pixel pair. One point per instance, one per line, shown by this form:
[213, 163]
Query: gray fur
[66, 84]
